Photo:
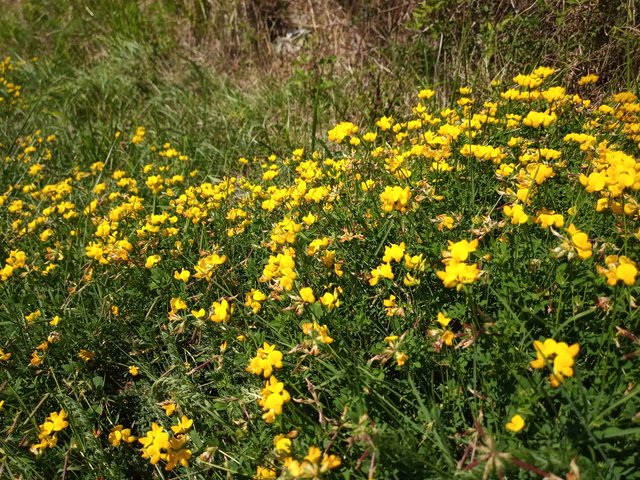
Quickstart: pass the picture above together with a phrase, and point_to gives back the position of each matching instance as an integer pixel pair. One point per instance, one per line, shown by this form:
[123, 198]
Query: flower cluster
[319, 334]
[395, 198]
[341, 131]
[457, 272]
[576, 243]
[119, 434]
[166, 276]
[158, 445]
[281, 268]
[559, 356]
[393, 343]
[48, 436]
[267, 358]
[313, 466]
[273, 396]
[619, 269]
[397, 253]
[16, 259]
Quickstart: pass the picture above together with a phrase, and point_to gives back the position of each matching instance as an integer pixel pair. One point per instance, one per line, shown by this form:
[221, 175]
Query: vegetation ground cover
[202, 282]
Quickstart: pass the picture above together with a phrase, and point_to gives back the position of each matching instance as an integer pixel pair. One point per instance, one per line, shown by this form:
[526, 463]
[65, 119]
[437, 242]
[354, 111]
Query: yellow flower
[33, 316]
[221, 311]
[401, 358]
[395, 198]
[459, 251]
[183, 275]
[169, 408]
[367, 185]
[447, 337]
[458, 274]
[331, 300]
[619, 268]
[385, 123]
[17, 259]
[264, 473]
[4, 356]
[282, 444]
[183, 425]
[369, 136]
[539, 119]
[426, 93]
[319, 333]
[393, 252]
[138, 137]
[309, 219]
[483, 152]
[559, 355]
[516, 424]
[445, 221]
[46, 234]
[151, 261]
[120, 434]
[516, 213]
[86, 355]
[282, 269]
[382, 271]
[177, 304]
[103, 230]
[208, 264]
[549, 219]
[267, 358]
[156, 440]
[539, 172]
[443, 319]
[306, 294]
[273, 398]
[253, 299]
[56, 421]
[587, 79]
[134, 371]
[410, 281]
[595, 182]
[317, 245]
[627, 272]
[342, 130]
[579, 242]
[329, 462]
[36, 359]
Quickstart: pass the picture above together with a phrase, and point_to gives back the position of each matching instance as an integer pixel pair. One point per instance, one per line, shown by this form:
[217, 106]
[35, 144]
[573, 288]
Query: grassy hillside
[304, 240]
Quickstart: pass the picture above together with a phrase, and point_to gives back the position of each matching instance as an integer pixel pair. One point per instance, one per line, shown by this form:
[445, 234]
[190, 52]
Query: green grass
[102, 67]
[105, 69]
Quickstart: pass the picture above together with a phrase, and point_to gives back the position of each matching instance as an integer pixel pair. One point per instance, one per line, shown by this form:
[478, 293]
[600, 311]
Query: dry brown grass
[253, 38]
[380, 50]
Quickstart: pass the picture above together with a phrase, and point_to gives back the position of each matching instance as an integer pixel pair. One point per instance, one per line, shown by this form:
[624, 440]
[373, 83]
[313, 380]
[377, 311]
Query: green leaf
[615, 432]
